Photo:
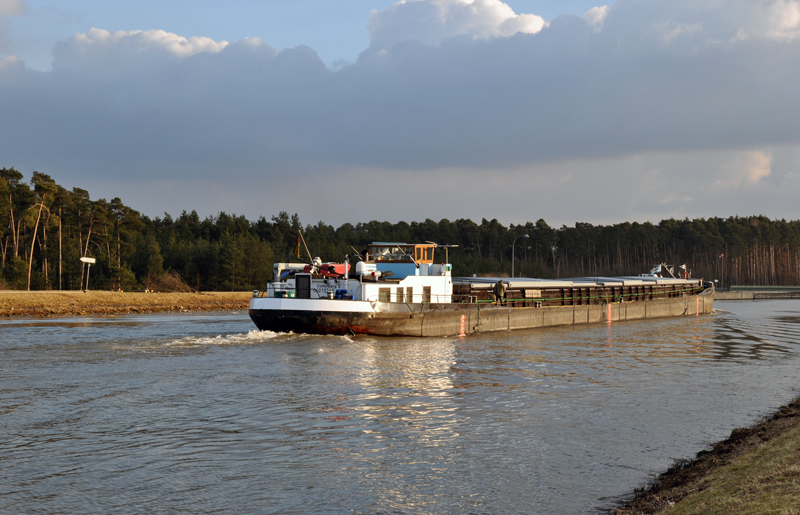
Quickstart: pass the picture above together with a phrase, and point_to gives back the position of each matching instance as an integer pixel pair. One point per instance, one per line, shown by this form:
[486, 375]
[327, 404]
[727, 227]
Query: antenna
[357, 253]
[306, 246]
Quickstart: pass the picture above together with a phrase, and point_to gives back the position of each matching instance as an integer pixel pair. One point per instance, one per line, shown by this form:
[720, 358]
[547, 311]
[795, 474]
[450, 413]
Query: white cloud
[9, 61]
[12, 7]
[773, 19]
[8, 8]
[100, 50]
[698, 23]
[782, 15]
[674, 31]
[432, 21]
[770, 19]
[138, 40]
[746, 169]
[596, 16]
[758, 165]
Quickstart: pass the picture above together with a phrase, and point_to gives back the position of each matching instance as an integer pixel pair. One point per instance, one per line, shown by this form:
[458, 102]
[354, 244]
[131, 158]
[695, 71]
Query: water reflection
[754, 337]
[200, 413]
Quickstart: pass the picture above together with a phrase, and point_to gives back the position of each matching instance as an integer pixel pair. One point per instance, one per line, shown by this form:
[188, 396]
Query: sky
[569, 110]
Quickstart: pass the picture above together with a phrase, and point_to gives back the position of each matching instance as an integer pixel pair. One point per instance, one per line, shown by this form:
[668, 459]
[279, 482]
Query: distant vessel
[404, 292]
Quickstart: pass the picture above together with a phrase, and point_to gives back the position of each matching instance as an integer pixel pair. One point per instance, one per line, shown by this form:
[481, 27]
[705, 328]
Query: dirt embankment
[736, 475]
[65, 303]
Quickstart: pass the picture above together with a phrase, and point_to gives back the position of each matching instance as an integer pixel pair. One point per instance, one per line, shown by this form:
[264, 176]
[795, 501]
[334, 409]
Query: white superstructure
[400, 273]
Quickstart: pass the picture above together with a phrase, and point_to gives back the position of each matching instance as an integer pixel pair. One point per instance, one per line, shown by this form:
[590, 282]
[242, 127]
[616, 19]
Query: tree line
[47, 229]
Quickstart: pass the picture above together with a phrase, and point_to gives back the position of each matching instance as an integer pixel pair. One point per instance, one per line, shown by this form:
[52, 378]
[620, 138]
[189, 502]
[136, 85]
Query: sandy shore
[65, 303]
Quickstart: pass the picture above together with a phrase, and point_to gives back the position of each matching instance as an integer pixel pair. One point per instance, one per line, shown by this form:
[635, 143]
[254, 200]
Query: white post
[89, 262]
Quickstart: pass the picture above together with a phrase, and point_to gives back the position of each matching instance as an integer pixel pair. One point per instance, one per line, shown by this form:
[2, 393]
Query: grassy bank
[62, 303]
[756, 470]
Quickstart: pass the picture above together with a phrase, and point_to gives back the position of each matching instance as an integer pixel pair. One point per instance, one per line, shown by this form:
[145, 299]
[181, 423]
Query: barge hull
[389, 319]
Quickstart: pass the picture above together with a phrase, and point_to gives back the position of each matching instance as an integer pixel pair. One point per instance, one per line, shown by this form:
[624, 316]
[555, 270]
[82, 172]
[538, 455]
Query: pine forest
[47, 229]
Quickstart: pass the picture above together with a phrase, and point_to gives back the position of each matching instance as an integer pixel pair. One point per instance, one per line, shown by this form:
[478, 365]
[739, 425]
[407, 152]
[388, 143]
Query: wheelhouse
[388, 252]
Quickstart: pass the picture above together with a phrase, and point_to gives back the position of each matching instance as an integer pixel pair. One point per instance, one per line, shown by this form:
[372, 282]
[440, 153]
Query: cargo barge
[402, 291]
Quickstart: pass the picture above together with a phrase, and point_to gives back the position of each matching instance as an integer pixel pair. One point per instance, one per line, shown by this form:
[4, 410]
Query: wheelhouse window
[402, 252]
[399, 252]
[426, 294]
[400, 295]
[384, 294]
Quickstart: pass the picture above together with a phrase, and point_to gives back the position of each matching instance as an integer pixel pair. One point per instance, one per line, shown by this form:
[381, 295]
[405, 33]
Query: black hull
[309, 322]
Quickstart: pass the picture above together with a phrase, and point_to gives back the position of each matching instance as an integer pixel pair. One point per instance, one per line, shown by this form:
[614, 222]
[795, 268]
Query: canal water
[199, 413]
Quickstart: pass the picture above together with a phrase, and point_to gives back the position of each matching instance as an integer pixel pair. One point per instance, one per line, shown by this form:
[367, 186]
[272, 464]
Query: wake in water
[249, 338]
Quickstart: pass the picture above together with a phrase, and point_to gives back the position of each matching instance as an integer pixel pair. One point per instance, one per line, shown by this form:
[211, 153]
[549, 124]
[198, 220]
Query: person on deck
[500, 292]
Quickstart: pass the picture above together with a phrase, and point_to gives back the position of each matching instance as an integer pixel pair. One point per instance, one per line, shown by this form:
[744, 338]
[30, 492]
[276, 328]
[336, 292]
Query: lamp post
[512, 251]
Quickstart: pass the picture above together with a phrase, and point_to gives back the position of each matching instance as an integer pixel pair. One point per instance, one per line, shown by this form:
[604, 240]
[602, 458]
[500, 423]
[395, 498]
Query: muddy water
[201, 414]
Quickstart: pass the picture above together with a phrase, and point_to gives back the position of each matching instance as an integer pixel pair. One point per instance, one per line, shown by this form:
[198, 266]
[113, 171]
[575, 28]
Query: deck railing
[514, 297]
